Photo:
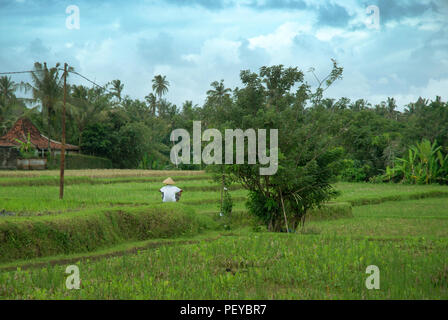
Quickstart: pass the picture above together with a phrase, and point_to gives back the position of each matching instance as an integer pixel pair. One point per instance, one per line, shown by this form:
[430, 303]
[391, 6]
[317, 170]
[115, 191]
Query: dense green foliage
[107, 123]
[307, 155]
[80, 161]
[320, 139]
[425, 163]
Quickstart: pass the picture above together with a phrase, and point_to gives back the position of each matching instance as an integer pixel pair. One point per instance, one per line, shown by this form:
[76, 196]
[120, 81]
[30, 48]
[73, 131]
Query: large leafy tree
[276, 98]
[427, 119]
[87, 106]
[98, 139]
[134, 141]
[371, 140]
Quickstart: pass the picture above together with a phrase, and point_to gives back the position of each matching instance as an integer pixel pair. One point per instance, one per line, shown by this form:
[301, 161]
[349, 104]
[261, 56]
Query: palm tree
[47, 89]
[160, 85]
[117, 88]
[391, 106]
[7, 88]
[359, 105]
[7, 95]
[219, 92]
[11, 107]
[151, 100]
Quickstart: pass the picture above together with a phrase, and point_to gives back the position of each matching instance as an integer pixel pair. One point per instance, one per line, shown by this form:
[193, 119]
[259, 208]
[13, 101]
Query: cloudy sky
[194, 42]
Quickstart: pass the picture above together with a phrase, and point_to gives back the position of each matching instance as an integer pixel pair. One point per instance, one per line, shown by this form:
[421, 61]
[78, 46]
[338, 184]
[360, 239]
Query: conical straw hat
[168, 181]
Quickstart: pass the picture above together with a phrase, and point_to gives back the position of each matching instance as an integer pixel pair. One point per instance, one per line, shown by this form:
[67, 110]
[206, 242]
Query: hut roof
[20, 131]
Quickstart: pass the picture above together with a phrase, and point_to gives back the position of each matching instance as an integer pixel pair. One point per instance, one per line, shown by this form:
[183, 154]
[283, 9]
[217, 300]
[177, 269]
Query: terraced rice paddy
[127, 245]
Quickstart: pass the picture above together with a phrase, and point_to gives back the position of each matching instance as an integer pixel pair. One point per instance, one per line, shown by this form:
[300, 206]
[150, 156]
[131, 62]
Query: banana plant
[442, 172]
[424, 164]
[26, 147]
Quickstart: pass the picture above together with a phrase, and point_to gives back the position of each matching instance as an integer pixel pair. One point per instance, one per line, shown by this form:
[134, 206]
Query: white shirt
[169, 193]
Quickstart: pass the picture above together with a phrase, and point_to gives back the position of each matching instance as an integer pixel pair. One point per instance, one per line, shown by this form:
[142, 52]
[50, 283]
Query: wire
[93, 82]
[74, 72]
[15, 72]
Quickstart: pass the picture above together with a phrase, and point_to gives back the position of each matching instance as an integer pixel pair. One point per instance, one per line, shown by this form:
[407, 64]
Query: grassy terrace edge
[400, 197]
[96, 229]
[72, 180]
[90, 230]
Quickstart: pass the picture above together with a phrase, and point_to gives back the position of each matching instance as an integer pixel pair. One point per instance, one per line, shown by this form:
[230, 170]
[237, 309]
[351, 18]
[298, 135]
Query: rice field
[402, 229]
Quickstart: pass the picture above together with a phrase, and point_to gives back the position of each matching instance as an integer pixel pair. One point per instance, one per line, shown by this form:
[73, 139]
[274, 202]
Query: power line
[74, 72]
[93, 82]
[15, 72]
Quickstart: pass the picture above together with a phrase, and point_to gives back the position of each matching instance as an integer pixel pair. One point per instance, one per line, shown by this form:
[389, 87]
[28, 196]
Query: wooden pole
[284, 213]
[222, 191]
[61, 179]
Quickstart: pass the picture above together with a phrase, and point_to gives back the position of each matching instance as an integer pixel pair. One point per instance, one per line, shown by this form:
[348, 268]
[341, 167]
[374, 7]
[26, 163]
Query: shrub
[424, 164]
[354, 171]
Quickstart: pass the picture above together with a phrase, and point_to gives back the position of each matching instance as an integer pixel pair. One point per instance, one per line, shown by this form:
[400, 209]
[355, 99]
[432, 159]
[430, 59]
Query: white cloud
[433, 88]
[326, 34]
[216, 50]
[398, 60]
[383, 80]
[281, 38]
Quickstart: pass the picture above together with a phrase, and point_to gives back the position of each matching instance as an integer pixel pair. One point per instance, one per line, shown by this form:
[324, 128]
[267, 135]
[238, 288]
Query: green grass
[402, 229]
[254, 266]
[90, 230]
[201, 194]
[369, 193]
[417, 218]
[125, 248]
[32, 199]
[436, 208]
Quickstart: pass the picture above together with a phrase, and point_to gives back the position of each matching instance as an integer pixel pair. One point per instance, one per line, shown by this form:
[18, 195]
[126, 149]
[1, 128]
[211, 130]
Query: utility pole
[61, 178]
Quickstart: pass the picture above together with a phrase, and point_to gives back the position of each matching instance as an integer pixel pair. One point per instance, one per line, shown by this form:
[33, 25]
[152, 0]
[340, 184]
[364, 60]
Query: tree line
[320, 139]
[134, 133]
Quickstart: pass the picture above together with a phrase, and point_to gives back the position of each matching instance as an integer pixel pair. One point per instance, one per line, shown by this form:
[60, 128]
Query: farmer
[170, 193]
